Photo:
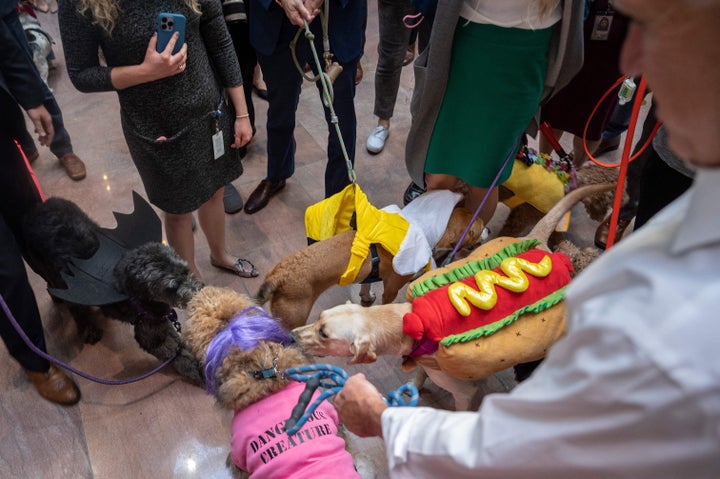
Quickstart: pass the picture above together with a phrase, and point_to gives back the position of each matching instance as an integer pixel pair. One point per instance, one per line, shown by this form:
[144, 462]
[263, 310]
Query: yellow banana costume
[334, 215]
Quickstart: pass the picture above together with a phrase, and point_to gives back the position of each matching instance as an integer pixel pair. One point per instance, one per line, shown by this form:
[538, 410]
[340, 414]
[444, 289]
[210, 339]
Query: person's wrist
[378, 408]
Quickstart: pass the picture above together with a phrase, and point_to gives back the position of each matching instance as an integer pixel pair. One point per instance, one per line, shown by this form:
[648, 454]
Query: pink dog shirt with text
[260, 446]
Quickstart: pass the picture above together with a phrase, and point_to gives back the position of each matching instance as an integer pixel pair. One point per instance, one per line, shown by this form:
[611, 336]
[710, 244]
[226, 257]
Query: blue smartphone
[167, 24]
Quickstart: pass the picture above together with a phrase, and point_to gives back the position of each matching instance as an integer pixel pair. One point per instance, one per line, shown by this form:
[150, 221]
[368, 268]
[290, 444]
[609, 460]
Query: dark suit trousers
[284, 83]
[14, 285]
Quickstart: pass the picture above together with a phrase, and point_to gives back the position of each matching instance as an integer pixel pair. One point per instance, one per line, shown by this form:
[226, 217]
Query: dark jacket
[346, 27]
[18, 75]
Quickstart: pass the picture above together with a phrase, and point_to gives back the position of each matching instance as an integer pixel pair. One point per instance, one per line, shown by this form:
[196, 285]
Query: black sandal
[239, 268]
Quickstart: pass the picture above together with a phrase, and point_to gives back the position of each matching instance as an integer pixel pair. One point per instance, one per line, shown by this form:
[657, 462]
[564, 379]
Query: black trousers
[651, 183]
[661, 185]
[240, 34]
[17, 195]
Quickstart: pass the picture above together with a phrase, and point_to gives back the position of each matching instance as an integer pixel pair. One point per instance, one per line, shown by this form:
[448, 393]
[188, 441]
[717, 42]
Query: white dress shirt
[510, 13]
[632, 391]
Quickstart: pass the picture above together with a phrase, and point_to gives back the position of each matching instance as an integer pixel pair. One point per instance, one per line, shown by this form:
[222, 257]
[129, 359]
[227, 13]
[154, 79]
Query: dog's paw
[364, 466]
[235, 471]
[187, 366]
[367, 300]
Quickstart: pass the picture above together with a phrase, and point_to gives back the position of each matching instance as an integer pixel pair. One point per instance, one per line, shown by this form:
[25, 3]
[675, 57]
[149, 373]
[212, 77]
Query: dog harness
[374, 275]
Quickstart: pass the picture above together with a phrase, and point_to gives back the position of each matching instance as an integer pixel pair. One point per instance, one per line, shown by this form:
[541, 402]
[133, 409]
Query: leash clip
[268, 373]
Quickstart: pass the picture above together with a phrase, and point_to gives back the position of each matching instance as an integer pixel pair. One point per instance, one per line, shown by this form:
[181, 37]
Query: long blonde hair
[105, 12]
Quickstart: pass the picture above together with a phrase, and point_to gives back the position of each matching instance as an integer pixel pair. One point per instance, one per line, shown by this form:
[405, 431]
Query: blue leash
[331, 379]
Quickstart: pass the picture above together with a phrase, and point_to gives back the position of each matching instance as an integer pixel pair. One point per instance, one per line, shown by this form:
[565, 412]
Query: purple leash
[63, 365]
[510, 155]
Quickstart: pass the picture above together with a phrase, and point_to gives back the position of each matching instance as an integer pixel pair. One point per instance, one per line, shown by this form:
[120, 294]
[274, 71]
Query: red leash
[31, 172]
[625, 159]
[639, 94]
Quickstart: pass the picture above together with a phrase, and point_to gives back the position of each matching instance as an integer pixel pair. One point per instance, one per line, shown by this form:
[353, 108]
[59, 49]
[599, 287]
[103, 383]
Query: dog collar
[141, 314]
[268, 373]
[423, 347]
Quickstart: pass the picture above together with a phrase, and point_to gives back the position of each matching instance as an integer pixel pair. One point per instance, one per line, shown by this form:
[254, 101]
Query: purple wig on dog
[244, 331]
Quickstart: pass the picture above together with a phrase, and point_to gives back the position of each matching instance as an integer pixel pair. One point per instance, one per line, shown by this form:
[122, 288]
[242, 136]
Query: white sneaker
[376, 140]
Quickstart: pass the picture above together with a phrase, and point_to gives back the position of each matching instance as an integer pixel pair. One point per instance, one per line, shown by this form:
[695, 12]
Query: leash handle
[412, 21]
[299, 410]
[337, 376]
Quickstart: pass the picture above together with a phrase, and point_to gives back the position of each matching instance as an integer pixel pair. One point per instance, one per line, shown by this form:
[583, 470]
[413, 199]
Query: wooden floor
[163, 427]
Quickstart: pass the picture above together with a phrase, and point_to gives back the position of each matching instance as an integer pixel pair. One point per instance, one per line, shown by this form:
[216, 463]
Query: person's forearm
[418, 440]
[128, 76]
[237, 97]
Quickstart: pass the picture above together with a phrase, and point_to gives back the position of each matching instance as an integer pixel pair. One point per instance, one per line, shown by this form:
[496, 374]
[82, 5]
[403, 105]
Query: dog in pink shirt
[243, 353]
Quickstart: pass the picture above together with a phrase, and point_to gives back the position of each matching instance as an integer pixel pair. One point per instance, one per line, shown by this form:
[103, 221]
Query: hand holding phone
[167, 25]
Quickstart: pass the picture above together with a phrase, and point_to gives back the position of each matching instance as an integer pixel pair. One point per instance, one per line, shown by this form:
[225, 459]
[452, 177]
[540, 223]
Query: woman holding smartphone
[181, 132]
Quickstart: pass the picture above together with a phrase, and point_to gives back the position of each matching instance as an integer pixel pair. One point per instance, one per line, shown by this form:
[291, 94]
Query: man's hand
[313, 6]
[43, 124]
[360, 405]
[297, 11]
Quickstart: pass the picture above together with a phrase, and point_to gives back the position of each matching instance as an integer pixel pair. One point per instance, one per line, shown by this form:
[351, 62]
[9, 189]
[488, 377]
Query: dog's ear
[363, 350]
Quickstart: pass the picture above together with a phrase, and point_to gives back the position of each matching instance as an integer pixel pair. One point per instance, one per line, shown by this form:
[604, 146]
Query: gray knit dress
[180, 173]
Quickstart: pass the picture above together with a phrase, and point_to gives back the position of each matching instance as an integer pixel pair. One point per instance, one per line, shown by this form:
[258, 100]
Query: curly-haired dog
[149, 280]
[364, 333]
[296, 282]
[244, 352]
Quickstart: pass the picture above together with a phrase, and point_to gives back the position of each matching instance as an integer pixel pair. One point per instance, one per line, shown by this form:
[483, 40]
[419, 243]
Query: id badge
[601, 27]
[218, 144]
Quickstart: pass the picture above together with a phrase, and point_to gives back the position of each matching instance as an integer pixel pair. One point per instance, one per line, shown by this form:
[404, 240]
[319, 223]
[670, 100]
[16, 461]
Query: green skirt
[495, 83]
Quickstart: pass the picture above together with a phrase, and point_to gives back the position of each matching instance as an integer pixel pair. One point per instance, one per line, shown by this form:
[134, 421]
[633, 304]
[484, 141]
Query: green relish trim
[545, 303]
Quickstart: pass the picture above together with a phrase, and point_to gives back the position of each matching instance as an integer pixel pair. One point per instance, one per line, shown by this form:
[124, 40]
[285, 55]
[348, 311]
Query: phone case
[167, 24]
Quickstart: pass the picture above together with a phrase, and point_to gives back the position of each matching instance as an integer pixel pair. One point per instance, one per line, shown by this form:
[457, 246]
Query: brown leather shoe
[54, 385]
[601, 234]
[74, 166]
[260, 197]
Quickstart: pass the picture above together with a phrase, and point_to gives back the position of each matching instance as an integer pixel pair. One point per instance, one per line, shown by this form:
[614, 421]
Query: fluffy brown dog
[243, 353]
[296, 282]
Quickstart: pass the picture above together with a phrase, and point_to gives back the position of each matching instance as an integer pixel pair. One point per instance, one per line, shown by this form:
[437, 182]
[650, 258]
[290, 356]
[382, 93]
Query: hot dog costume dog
[499, 307]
